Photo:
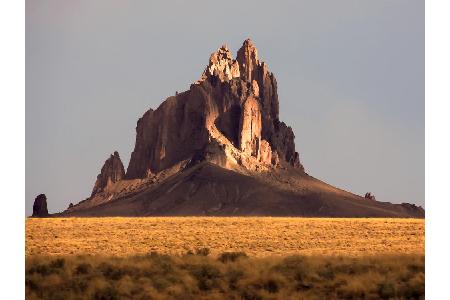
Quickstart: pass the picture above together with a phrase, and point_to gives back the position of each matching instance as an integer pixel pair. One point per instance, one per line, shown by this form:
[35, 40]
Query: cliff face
[112, 172]
[234, 104]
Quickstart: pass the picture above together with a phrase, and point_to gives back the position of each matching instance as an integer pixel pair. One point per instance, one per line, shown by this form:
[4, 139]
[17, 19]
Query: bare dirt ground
[256, 236]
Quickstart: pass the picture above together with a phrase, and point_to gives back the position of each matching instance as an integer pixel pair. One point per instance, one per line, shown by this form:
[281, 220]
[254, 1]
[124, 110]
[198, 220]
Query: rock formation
[266, 153]
[222, 65]
[40, 206]
[220, 148]
[112, 171]
[250, 127]
[235, 103]
[369, 196]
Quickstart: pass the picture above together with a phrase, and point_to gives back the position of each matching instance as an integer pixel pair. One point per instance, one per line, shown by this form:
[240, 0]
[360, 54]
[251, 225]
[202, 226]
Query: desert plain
[256, 236]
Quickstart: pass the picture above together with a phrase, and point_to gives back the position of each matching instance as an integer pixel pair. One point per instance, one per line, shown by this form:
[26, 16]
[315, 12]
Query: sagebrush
[227, 276]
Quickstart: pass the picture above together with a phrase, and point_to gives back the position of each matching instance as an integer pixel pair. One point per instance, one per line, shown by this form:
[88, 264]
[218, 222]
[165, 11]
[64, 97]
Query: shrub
[162, 264]
[386, 290]
[83, 269]
[58, 263]
[78, 285]
[158, 276]
[231, 256]
[113, 272]
[153, 253]
[32, 284]
[202, 251]
[107, 293]
[271, 285]
[234, 275]
[42, 269]
[249, 294]
[327, 272]
[206, 275]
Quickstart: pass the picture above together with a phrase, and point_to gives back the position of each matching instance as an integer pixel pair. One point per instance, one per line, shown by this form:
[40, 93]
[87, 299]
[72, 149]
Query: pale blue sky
[350, 79]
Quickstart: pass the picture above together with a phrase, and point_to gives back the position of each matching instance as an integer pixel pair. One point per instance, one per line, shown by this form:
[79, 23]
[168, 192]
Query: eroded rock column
[250, 127]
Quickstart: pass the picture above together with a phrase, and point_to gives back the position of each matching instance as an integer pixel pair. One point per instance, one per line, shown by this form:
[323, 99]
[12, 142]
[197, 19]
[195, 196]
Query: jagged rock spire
[221, 65]
[247, 56]
[112, 171]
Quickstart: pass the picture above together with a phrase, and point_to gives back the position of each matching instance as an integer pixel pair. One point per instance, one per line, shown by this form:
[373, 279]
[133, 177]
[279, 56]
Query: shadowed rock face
[234, 100]
[40, 206]
[222, 65]
[112, 171]
[208, 189]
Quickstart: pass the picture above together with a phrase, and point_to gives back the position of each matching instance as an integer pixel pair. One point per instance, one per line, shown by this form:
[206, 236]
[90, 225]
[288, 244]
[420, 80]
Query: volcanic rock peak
[219, 148]
[229, 112]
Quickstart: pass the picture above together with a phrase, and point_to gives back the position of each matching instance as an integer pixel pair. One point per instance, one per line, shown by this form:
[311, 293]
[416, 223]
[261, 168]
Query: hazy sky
[350, 81]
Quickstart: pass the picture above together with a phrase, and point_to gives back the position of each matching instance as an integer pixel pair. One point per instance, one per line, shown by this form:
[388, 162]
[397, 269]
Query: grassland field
[258, 237]
[248, 258]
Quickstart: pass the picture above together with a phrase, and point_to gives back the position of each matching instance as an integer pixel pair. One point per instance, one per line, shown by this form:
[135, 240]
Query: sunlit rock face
[235, 103]
[266, 153]
[222, 65]
[250, 127]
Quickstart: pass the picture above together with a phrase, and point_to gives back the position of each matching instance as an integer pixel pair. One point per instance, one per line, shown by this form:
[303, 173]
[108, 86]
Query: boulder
[40, 206]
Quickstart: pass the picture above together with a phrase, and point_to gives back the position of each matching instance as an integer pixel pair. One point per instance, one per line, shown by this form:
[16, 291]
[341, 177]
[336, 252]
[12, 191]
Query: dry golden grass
[256, 236]
[187, 277]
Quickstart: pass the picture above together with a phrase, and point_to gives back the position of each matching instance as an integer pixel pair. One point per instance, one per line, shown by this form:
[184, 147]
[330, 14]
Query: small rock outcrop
[369, 196]
[112, 171]
[40, 206]
[413, 209]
